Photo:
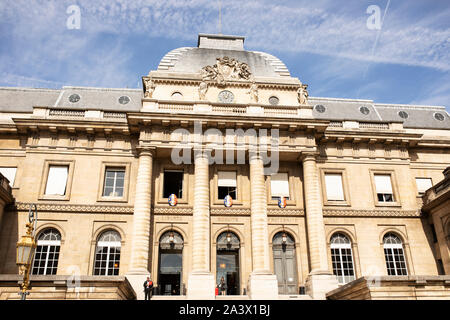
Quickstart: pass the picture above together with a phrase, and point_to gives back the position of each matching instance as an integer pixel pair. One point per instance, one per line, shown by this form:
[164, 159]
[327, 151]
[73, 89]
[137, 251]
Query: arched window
[393, 253]
[47, 252]
[107, 254]
[342, 258]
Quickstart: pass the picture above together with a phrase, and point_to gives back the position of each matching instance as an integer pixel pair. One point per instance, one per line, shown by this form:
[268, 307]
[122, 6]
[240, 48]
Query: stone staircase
[238, 298]
[232, 297]
[294, 297]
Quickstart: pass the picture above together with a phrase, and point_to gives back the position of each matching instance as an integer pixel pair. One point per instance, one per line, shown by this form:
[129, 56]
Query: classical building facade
[222, 166]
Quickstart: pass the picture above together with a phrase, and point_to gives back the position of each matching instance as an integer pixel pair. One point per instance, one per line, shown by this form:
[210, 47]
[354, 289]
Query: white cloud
[321, 27]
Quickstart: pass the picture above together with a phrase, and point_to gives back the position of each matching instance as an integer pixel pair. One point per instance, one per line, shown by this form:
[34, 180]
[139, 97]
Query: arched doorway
[228, 246]
[285, 263]
[170, 263]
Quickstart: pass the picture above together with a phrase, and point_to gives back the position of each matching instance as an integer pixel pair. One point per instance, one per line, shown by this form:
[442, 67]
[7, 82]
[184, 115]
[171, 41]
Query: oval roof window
[403, 114]
[439, 116]
[364, 110]
[124, 100]
[74, 98]
[320, 108]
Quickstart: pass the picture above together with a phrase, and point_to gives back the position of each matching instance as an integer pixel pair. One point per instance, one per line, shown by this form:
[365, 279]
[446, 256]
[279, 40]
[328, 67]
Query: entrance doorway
[228, 246]
[285, 263]
[170, 264]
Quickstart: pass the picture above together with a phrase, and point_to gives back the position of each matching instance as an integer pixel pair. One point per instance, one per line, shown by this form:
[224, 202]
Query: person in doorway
[148, 288]
[222, 287]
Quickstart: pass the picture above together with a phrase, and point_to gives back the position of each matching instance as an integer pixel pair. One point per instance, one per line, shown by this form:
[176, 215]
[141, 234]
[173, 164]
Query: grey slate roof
[192, 60]
[100, 99]
[347, 109]
[24, 99]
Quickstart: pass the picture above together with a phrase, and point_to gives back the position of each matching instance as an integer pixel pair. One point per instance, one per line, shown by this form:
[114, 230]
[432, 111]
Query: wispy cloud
[39, 46]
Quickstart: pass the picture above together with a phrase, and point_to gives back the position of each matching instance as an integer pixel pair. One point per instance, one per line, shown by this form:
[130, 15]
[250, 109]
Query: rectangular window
[57, 180]
[227, 184]
[279, 186]
[114, 182]
[9, 173]
[173, 183]
[423, 184]
[334, 187]
[383, 186]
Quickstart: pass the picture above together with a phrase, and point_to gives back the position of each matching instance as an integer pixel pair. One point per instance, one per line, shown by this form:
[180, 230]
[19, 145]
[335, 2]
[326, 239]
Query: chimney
[220, 41]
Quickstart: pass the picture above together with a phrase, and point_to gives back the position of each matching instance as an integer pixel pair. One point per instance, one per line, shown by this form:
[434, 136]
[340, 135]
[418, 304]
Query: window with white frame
[279, 186]
[383, 185]
[334, 187]
[423, 184]
[107, 254]
[342, 258]
[226, 184]
[393, 253]
[47, 253]
[57, 180]
[114, 182]
[9, 173]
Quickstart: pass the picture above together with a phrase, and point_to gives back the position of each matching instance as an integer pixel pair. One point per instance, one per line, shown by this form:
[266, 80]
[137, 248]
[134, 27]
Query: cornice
[285, 212]
[173, 210]
[371, 213]
[72, 208]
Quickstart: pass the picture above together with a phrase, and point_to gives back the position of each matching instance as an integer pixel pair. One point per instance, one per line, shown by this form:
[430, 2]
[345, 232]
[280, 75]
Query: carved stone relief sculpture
[226, 69]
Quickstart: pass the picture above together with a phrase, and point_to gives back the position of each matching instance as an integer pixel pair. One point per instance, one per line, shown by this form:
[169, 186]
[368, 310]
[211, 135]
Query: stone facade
[394, 288]
[65, 288]
[140, 137]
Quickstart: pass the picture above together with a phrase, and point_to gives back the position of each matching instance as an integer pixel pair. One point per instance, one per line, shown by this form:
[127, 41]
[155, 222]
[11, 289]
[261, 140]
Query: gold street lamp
[26, 248]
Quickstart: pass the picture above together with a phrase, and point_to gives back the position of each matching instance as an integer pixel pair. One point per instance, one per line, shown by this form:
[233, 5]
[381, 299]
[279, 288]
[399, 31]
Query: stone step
[157, 297]
[232, 297]
[294, 297]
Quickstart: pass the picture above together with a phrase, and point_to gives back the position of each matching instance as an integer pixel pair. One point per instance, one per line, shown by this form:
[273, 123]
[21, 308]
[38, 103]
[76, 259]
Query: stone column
[138, 268]
[262, 284]
[320, 279]
[200, 280]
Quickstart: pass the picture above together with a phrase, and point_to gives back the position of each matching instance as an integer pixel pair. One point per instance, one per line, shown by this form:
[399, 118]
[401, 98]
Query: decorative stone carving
[226, 69]
[149, 87]
[302, 94]
[202, 89]
[78, 208]
[371, 213]
[253, 92]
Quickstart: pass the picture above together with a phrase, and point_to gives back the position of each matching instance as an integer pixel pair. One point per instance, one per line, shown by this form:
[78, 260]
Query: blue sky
[325, 43]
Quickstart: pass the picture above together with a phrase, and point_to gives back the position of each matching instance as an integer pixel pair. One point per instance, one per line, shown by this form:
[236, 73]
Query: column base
[318, 284]
[137, 282]
[262, 286]
[201, 286]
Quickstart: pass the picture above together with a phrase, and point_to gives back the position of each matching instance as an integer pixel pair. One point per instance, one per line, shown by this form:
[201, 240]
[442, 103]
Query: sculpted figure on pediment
[202, 89]
[149, 87]
[253, 92]
[302, 94]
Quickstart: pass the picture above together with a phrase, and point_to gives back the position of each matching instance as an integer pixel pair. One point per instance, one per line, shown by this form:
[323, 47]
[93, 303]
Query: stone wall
[65, 288]
[394, 288]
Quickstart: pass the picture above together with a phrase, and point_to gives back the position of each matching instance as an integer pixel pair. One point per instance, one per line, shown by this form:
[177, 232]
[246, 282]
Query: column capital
[308, 156]
[149, 151]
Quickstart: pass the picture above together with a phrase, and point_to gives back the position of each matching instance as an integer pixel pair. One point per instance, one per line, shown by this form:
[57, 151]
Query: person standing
[148, 287]
[222, 287]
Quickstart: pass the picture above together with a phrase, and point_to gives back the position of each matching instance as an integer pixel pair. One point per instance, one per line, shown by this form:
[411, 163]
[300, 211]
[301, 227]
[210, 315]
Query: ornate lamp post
[26, 248]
